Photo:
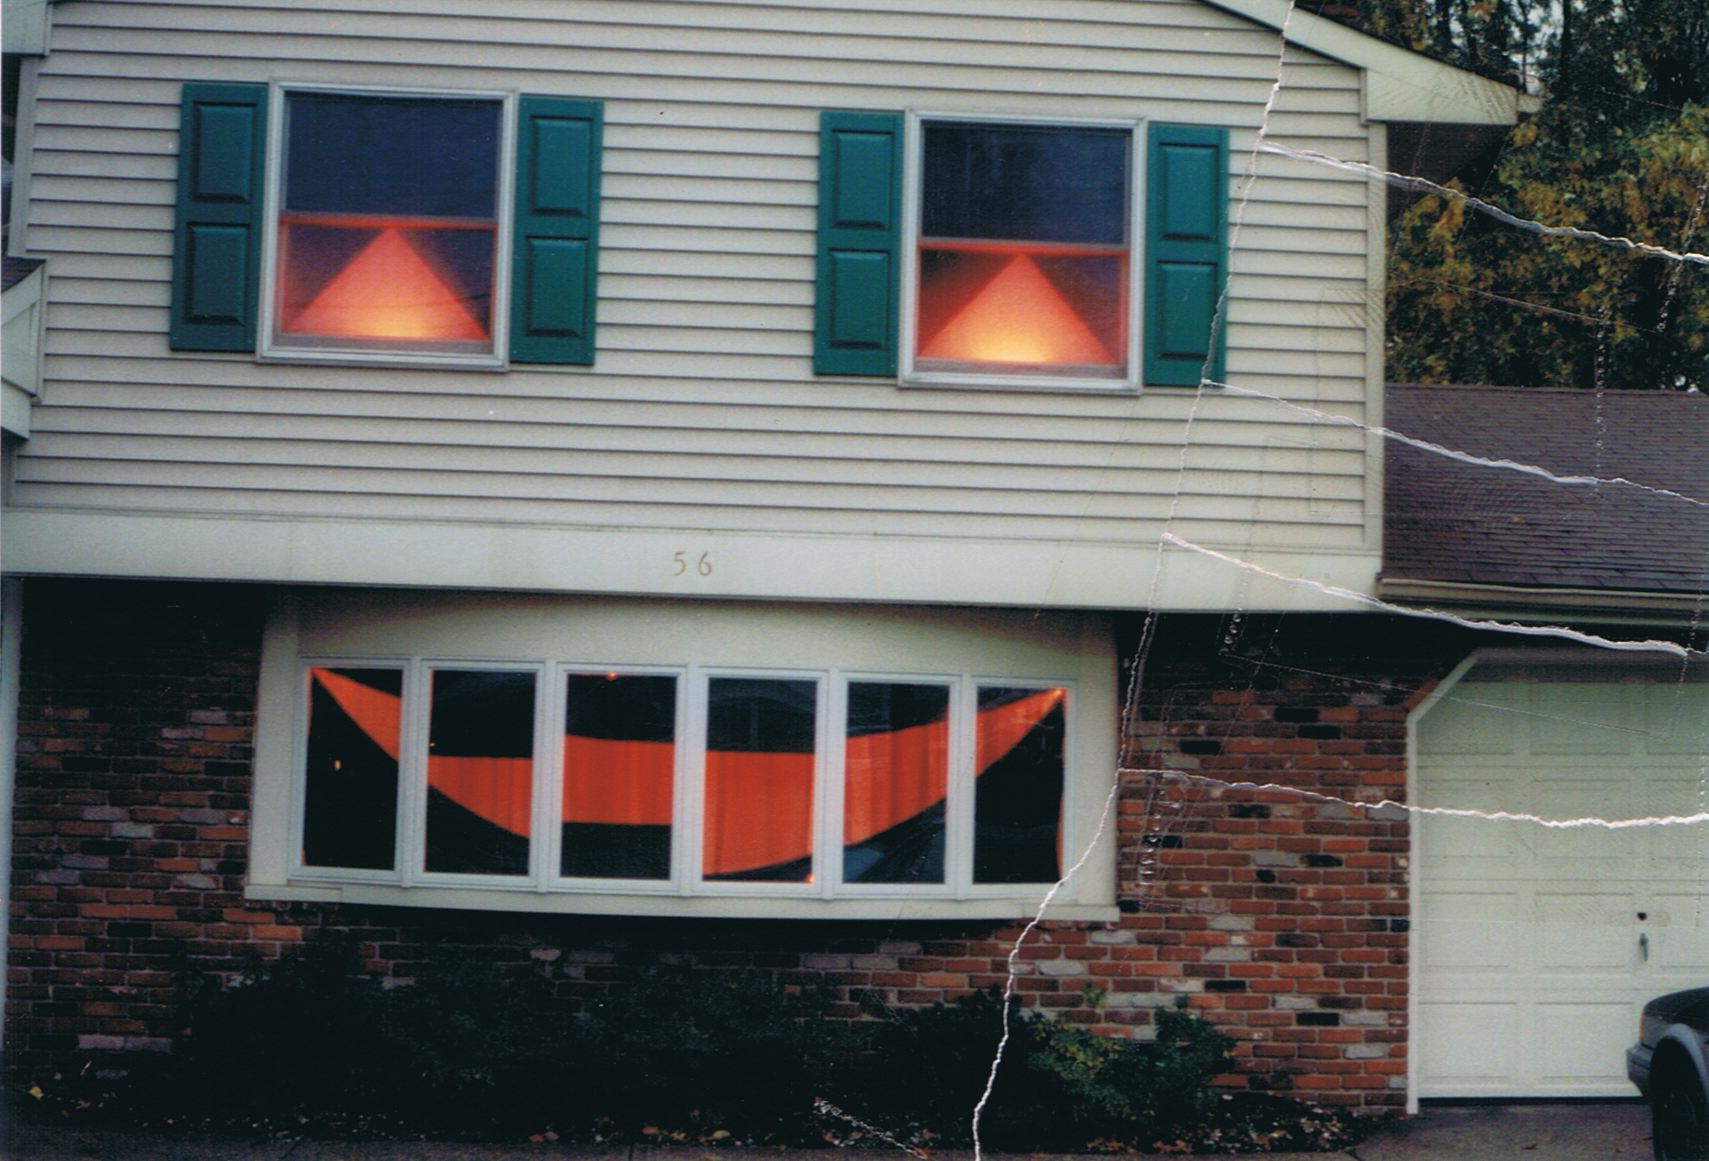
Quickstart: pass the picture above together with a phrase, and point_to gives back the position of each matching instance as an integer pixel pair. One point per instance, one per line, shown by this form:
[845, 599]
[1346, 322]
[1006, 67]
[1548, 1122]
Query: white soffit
[1399, 85]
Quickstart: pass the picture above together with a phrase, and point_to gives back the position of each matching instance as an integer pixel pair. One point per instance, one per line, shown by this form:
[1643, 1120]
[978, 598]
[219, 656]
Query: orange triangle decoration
[388, 292]
[1019, 317]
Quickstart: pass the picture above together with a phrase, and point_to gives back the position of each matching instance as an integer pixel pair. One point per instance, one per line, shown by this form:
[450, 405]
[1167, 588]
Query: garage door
[1536, 946]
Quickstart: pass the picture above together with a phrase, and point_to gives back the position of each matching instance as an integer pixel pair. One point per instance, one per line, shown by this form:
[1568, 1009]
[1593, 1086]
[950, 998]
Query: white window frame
[268, 350]
[913, 167]
[277, 870]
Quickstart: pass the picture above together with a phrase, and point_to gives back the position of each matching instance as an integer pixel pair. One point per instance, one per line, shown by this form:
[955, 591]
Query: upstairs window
[1024, 254]
[369, 227]
[1023, 257]
[387, 234]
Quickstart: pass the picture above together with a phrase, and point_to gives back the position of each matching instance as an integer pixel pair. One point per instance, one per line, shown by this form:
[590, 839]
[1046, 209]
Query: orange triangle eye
[1018, 317]
[388, 292]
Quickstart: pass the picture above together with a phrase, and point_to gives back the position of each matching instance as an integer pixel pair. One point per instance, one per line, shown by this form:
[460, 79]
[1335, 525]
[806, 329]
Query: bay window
[554, 779]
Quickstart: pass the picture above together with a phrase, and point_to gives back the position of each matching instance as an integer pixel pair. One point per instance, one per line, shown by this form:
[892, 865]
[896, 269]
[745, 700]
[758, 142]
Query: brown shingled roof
[1448, 520]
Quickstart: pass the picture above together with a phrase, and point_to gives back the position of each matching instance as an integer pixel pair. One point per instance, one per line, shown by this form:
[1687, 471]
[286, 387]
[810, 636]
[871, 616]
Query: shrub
[1060, 1085]
[697, 1051]
[313, 1044]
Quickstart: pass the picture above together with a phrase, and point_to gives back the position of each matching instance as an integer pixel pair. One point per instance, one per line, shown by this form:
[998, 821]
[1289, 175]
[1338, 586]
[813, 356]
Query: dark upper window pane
[412, 156]
[760, 714]
[1025, 183]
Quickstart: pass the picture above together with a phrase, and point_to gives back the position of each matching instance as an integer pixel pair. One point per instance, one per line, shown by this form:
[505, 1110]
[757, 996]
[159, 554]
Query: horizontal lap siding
[701, 409]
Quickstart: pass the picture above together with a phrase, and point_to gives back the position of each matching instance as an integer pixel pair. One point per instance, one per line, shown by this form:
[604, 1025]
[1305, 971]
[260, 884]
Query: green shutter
[216, 250]
[555, 256]
[1186, 231]
[858, 277]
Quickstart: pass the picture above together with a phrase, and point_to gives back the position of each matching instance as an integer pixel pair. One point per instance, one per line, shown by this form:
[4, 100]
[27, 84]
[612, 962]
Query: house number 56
[703, 566]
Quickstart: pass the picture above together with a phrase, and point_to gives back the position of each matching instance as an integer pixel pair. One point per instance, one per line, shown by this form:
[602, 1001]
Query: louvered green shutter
[858, 277]
[216, 248]
[1185, 254]
[555, 265]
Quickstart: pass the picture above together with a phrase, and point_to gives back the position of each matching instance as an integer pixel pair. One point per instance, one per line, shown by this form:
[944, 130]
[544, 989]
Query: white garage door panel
[1472, 1044]
[1538, 945]
[1468, 931]
[1584, 931]
[1573, 1040]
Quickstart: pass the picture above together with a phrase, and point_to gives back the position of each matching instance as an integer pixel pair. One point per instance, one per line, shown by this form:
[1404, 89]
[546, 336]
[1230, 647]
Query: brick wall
[1271, 880]
[1281, 915]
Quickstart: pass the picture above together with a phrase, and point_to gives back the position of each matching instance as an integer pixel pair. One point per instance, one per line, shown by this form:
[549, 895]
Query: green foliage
[1620, 148]
[1061, 1085]
[1473, 300]
[461, 1050]
[1136, 1091]
[314, 1045]
[698, 1051]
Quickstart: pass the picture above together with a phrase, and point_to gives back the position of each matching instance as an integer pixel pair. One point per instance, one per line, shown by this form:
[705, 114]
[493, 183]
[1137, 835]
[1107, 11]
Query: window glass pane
[619, 763]
[1001, 305]
[897, 777]
[388, 223]
[759, 779]
[386, 286]
[1024, 183]
[1023, 263]
[480, 771]
[1017, 804]
[370, 154]
[350, 796]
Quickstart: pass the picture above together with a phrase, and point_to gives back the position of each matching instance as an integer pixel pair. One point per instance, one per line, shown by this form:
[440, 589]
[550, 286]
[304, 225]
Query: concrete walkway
[1594, 1132]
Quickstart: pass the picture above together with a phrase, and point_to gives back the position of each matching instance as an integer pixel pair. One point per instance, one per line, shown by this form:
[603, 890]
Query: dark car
[1670, 1066]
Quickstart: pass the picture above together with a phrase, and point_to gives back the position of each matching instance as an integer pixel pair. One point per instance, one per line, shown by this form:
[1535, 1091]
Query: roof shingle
[1450, 520]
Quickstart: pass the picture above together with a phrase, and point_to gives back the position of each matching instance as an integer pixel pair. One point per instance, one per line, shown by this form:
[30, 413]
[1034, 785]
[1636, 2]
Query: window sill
[1055, 384]
[666, 904]
[285, 356]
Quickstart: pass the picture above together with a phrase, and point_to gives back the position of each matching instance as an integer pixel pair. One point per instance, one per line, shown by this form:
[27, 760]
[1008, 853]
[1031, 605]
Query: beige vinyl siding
[702, 410]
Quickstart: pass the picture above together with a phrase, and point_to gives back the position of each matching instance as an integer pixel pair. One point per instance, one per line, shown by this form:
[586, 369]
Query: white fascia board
[687, 563]
[1399, 85]
[27, 24]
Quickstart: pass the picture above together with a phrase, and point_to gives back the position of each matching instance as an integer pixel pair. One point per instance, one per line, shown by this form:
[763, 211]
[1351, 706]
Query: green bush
[1133, 1091]
[314, 1044]
[1060, 1085]
[696, 1051]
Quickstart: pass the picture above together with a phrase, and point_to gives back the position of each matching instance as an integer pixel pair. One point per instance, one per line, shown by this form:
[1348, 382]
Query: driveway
[1590, 1132]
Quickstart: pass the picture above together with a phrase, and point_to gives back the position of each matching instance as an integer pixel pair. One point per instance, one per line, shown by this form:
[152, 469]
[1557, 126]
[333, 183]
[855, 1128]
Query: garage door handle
[1644, 947]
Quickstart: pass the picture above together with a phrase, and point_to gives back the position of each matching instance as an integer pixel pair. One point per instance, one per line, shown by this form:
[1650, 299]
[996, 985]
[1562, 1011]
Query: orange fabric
[891, 777]
[624, 783]
[759, 806]
[377, 714]
[497, 789]
[759, 810]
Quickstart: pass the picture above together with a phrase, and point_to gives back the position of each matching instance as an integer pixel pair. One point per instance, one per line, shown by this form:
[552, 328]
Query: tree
[1621, 148]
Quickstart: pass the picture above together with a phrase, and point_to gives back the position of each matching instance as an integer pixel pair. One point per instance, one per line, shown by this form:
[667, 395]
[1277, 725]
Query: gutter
[1518, 603]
